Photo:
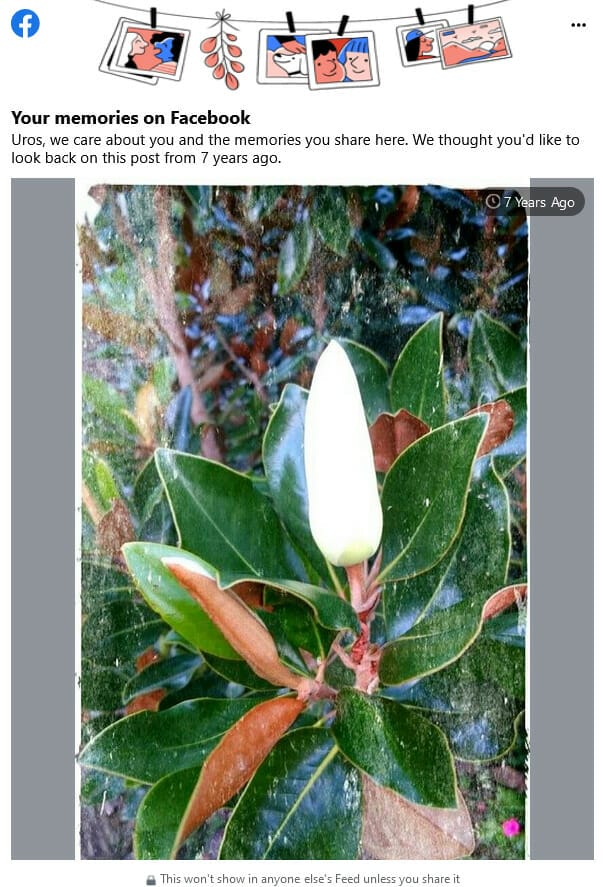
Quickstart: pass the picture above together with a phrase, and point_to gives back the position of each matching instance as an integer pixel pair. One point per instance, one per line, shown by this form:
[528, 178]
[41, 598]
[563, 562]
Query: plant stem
[334, 579]
[356, 578]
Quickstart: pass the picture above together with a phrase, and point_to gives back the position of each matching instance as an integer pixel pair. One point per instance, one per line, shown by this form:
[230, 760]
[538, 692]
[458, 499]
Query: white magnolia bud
[344, 509]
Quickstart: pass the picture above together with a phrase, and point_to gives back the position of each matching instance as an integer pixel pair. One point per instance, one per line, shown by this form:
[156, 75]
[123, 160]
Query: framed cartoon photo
[418, 43]
[154, 51]
[282, 56]
[347, 61]
[484, 41]
[110, 56]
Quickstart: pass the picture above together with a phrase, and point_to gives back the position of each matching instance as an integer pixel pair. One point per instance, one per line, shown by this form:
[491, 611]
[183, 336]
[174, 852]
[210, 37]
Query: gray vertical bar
[43, 452]
[561, 531]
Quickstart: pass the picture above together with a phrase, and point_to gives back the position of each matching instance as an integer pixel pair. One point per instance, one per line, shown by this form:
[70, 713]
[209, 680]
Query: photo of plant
[304, 523]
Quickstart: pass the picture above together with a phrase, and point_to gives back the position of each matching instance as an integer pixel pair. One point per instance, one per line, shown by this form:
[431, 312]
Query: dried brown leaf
[147, 413]
[405, 208]
[211, 377]
[394, 828]
[234, 761]
[116, 327]
[289, 331]
[114, 529]
[212, 443]
[233, 301]
[392, 434]
[500, 424]
[244, 631]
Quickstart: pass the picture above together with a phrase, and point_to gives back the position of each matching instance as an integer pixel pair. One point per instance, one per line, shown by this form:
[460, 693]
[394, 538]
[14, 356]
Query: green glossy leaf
[237, 671]
[337, 675]
[160, 814]
[167, 674]
[432, 644]
[383, 258]
[204, 685]
[497, 663]
[299, 625]
[397, 747]
[148, 494]
[330, 610]
[417, 383]
[434, 616]
[262, 200]
[223, 519]
[371, 373]
[294, 256]
[512, 451]
[119, 630]
[166, 596]
[476, 701]
[287, 652]
[497, 359]
[424, 496]
[146, 746]
[282, 454]
[329, 215]
[287, 810]
[508, 628]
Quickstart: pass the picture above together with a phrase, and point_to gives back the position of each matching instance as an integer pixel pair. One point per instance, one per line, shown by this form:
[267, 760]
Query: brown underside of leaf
[252, 594]
[146, 702]
[239, 625]
[500, 424]
[392, 434]
[394, 828]
[504, 598]
[234, 761]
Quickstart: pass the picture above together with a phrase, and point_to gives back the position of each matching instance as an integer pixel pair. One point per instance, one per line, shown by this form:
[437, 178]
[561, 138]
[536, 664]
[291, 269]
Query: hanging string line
[144, 11]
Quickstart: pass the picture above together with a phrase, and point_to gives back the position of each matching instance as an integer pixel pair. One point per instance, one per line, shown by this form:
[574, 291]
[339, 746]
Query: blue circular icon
[25, 23]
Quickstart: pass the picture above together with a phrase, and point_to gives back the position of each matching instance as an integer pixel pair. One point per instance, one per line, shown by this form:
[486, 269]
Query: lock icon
[151, 881]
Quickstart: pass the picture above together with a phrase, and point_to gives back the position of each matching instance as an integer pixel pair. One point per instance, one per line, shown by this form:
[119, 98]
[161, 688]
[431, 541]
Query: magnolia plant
[357, 598]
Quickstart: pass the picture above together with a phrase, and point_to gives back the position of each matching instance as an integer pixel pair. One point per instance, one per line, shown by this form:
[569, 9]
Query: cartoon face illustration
[327, 67]
[163, 49]
[418, 45]
[291, 63]
[355, 59]
[283, 57]
[138, 45]
[136, 48]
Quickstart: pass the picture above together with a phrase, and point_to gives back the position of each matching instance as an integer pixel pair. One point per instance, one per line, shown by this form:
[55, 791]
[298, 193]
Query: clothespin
[343, 25]
[419, 14]
[290, 22]
[153, 16]
[470, 9]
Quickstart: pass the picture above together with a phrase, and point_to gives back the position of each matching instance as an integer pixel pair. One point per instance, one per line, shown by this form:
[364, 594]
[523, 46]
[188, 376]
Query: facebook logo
[25, 23]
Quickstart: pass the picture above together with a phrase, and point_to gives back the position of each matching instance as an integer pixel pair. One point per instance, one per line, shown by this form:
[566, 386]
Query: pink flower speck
[511, 828]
